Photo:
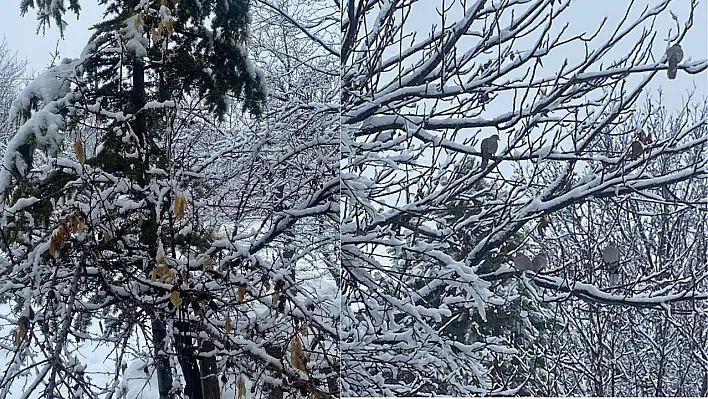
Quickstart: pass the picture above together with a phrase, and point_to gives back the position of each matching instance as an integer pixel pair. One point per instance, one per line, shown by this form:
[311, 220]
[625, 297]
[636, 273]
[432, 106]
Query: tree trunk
[210, 382]
[149, 232]
[274, 391]
[188, 362]
[162, 362]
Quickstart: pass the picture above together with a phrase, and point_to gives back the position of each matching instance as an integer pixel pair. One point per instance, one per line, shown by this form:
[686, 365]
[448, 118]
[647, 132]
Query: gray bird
[674, 55]
[522, 262]
[611, 256]
[490, 145]
[540, 261]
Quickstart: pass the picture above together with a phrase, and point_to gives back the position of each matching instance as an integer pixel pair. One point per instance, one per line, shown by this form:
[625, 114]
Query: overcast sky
[585, 15]
[20, 33]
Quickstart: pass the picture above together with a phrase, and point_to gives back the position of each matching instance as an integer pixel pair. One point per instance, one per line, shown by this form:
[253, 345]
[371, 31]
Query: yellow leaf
[140, 220]
[73, 222]
[107, 236]
[176, 208]
[156, 35]
[297, 357]
[58, 239]
[227, 327]
[138, 20]
[79, 150]
[175, 298]
[241, 293]
[180, 206]
[169, 26]
[275, 297]
[20, 334]
[303, 329]
[241, 387]
[207, 263]
[81, 225]
[161, 271]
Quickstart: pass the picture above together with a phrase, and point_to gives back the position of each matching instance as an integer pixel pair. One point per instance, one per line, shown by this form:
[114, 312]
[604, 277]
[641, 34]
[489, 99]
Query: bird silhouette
[490, 145]
[674, 55]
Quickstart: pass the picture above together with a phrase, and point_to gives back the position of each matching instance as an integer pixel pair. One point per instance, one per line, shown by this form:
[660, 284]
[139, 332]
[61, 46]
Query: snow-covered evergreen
[157, 207]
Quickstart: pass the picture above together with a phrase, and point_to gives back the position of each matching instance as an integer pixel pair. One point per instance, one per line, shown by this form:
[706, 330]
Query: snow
[159, 105]
[48, 86]
[134, 35]
[544, 152]
[45, 125]
[559, 112]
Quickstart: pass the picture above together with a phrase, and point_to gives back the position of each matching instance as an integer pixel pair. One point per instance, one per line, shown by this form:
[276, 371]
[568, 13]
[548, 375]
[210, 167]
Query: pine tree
[515, 319]
[92, 228]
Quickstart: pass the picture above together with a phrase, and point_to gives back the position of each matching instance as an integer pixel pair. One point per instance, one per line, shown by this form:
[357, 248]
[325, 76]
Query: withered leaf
[79, 150]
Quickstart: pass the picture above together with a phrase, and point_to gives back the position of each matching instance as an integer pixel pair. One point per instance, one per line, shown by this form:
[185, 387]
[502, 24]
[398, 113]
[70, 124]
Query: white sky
[21, 33]
[585, 15]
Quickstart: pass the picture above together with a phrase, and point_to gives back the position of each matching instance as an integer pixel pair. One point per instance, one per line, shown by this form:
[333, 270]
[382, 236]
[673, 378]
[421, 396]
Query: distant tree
[13, 75]
[619, 344]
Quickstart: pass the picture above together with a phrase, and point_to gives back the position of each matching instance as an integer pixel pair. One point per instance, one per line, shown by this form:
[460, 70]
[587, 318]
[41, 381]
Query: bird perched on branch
[490, 145]
[523, 263]
[645, 138]
[539, 262]
[636, 149]
[611, 255]
[674, 55]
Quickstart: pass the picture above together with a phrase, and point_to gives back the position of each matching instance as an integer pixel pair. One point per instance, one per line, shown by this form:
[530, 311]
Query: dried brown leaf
[53, 246]
[179, 206]
[79, 150]
[636, 150]
[275, 297]
[175, 298]
[297, 357]
[227, 326]
[162, 272]
[241, 387]
[207, 263]
[81, 225]
[20, 333]
[241, 293]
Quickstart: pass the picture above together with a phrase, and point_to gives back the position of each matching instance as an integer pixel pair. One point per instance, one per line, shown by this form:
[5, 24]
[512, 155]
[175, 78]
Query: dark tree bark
[162, 362]
[210, 382]
[188, 361]
[149, 230]
[274, 391]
